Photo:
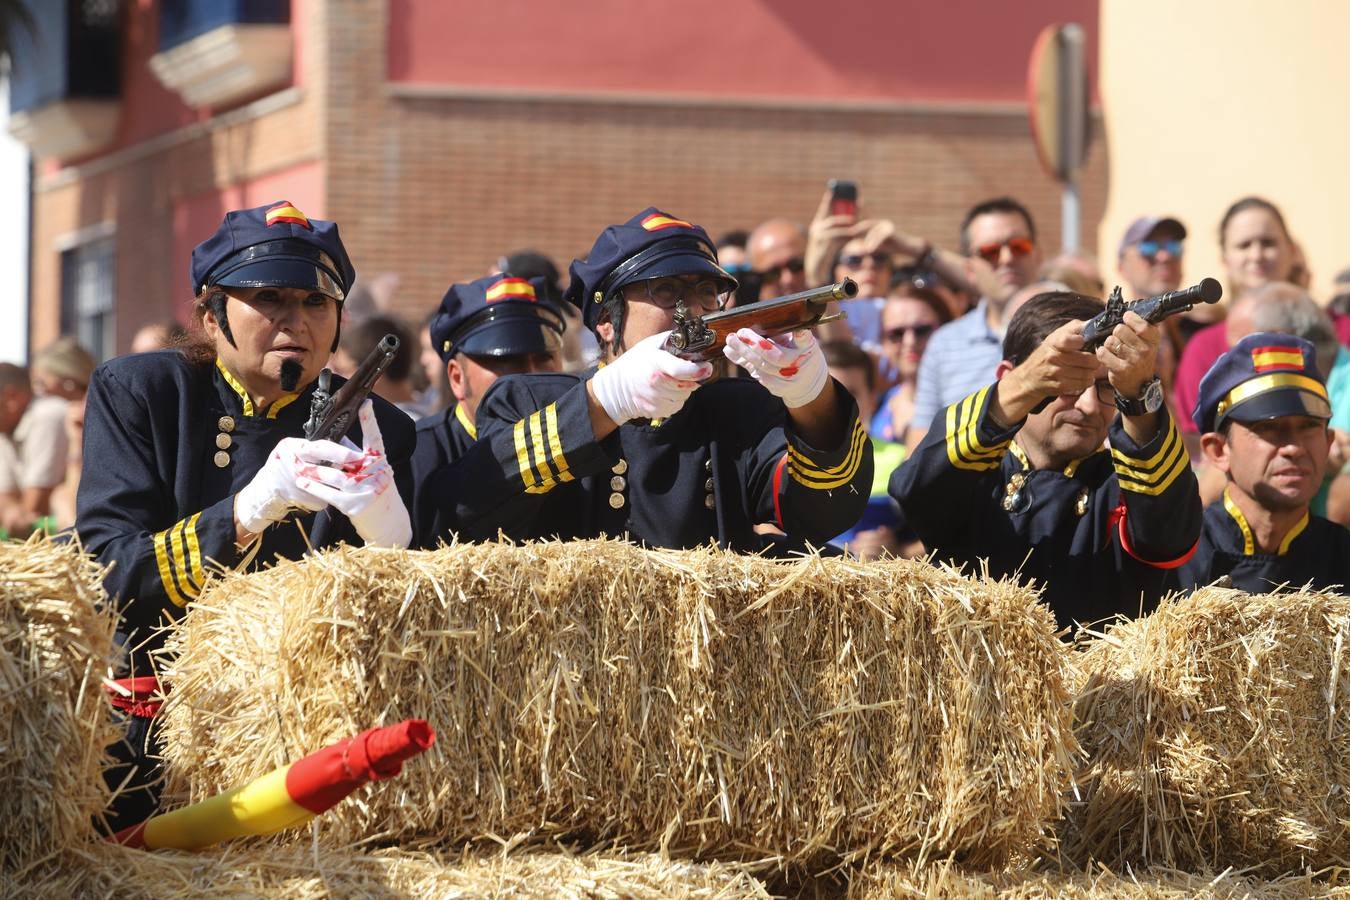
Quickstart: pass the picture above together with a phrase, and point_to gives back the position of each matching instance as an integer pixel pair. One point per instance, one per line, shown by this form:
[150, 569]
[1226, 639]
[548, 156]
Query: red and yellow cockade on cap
[511, 289]
[659, 221]
[1278, 358]
[286, 212]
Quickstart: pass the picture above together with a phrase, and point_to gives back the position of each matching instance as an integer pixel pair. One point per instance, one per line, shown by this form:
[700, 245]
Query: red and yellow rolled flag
[289, 796]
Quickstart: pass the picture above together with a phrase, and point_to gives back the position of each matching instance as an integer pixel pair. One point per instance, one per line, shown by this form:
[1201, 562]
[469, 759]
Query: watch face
[1150, 400]
[1152, 396]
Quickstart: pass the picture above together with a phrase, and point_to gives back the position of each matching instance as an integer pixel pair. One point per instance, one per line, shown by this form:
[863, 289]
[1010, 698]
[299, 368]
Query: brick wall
[436, 188]
[442, 187]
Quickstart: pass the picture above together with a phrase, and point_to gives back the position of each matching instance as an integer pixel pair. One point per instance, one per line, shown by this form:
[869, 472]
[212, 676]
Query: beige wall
[1206, 101]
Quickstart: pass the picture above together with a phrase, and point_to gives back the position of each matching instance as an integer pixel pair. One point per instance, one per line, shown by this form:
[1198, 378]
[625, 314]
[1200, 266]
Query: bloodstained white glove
[276, 490]
[791, 366]
[647, 382]
[364, 490]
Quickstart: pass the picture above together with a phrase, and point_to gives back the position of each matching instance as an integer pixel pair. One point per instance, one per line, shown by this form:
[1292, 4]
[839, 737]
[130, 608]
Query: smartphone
[843, 198]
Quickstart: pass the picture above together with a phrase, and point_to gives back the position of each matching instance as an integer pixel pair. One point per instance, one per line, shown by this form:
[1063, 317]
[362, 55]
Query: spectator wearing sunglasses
[872, 268]
[1149, 259]
[909, 318]
[777, 250]
[998, 240]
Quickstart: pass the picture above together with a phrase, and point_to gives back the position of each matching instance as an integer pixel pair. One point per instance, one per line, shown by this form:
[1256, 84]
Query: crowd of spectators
[926, 329]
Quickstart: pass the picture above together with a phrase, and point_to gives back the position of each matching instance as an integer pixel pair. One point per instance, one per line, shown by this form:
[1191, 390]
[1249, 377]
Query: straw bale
[1218, 735]
[701, 703]
[881, 882]
[302, 873]
[55, 647]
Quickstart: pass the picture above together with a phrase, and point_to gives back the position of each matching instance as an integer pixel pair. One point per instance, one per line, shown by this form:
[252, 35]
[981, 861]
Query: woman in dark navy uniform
[195, 457]
[641, 446]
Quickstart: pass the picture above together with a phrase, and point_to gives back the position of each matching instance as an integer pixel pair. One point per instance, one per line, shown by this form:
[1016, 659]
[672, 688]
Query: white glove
[276, 490]
[364, 490]
[791, 366]
[647, 382]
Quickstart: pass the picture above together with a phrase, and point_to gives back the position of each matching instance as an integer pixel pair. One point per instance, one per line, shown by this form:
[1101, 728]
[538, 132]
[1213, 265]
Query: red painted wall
[894, 50]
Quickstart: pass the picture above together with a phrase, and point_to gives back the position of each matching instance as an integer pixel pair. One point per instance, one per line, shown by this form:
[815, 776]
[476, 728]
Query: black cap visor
[508, 329]
[684, 264]
[1277, 403]
[673, 256]
[285, 264]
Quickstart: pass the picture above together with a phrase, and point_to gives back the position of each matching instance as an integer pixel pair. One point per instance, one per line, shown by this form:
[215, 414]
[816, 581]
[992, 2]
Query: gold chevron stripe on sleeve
[166, 568]
[178, 555]
[838, 476]
[523, 458]
[809, 466]
[536, 429]
[1165, 478]
[964, 450]
[1166, 465]
[555, 442]
[1151, 462]
[196, 570]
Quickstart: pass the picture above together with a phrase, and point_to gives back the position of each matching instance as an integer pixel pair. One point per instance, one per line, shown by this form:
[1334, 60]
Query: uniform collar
[1069, 471]
[247, 407]
[465, 422]
[1248, 539]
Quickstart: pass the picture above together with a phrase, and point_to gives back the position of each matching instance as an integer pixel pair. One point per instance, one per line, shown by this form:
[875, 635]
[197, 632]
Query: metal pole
[1070, 209]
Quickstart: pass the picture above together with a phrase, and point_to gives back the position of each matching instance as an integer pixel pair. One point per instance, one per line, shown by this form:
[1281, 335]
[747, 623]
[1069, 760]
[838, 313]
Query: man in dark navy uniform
[1262, 414]
[495, 326]
[195, 458]
[642, 446]
[1032, 490]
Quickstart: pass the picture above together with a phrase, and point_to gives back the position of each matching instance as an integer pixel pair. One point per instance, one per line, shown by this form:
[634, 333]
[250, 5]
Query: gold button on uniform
[620, 467]
[709, 501]
[707, 465]
[226, 423]
[222, 459]
[223, 441]
[617, 483]
[616, 501]
[708, 485]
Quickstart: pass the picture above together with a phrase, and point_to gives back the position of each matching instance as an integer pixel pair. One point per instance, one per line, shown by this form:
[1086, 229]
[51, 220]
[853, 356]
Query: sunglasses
[794, 265]
[1150, 249]
[856, 260]
[1019, 248]
[896, 335]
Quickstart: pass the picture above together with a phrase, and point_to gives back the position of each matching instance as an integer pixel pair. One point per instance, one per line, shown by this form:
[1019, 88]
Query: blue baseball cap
[274, 246]
[499, 315]
[1264, 376]
[652, 244]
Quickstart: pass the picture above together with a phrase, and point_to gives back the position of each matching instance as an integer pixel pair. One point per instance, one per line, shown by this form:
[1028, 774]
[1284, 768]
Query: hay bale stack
[701, 703]
[885, 882]
[1218, 735]
[55, 648]
[245, 871]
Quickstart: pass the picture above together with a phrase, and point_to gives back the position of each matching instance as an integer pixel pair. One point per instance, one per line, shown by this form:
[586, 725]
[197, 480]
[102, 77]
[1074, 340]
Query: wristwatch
[1150, 399]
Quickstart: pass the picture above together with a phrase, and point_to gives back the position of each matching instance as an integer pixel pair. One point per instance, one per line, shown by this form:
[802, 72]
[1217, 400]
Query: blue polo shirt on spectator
[960, 358]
